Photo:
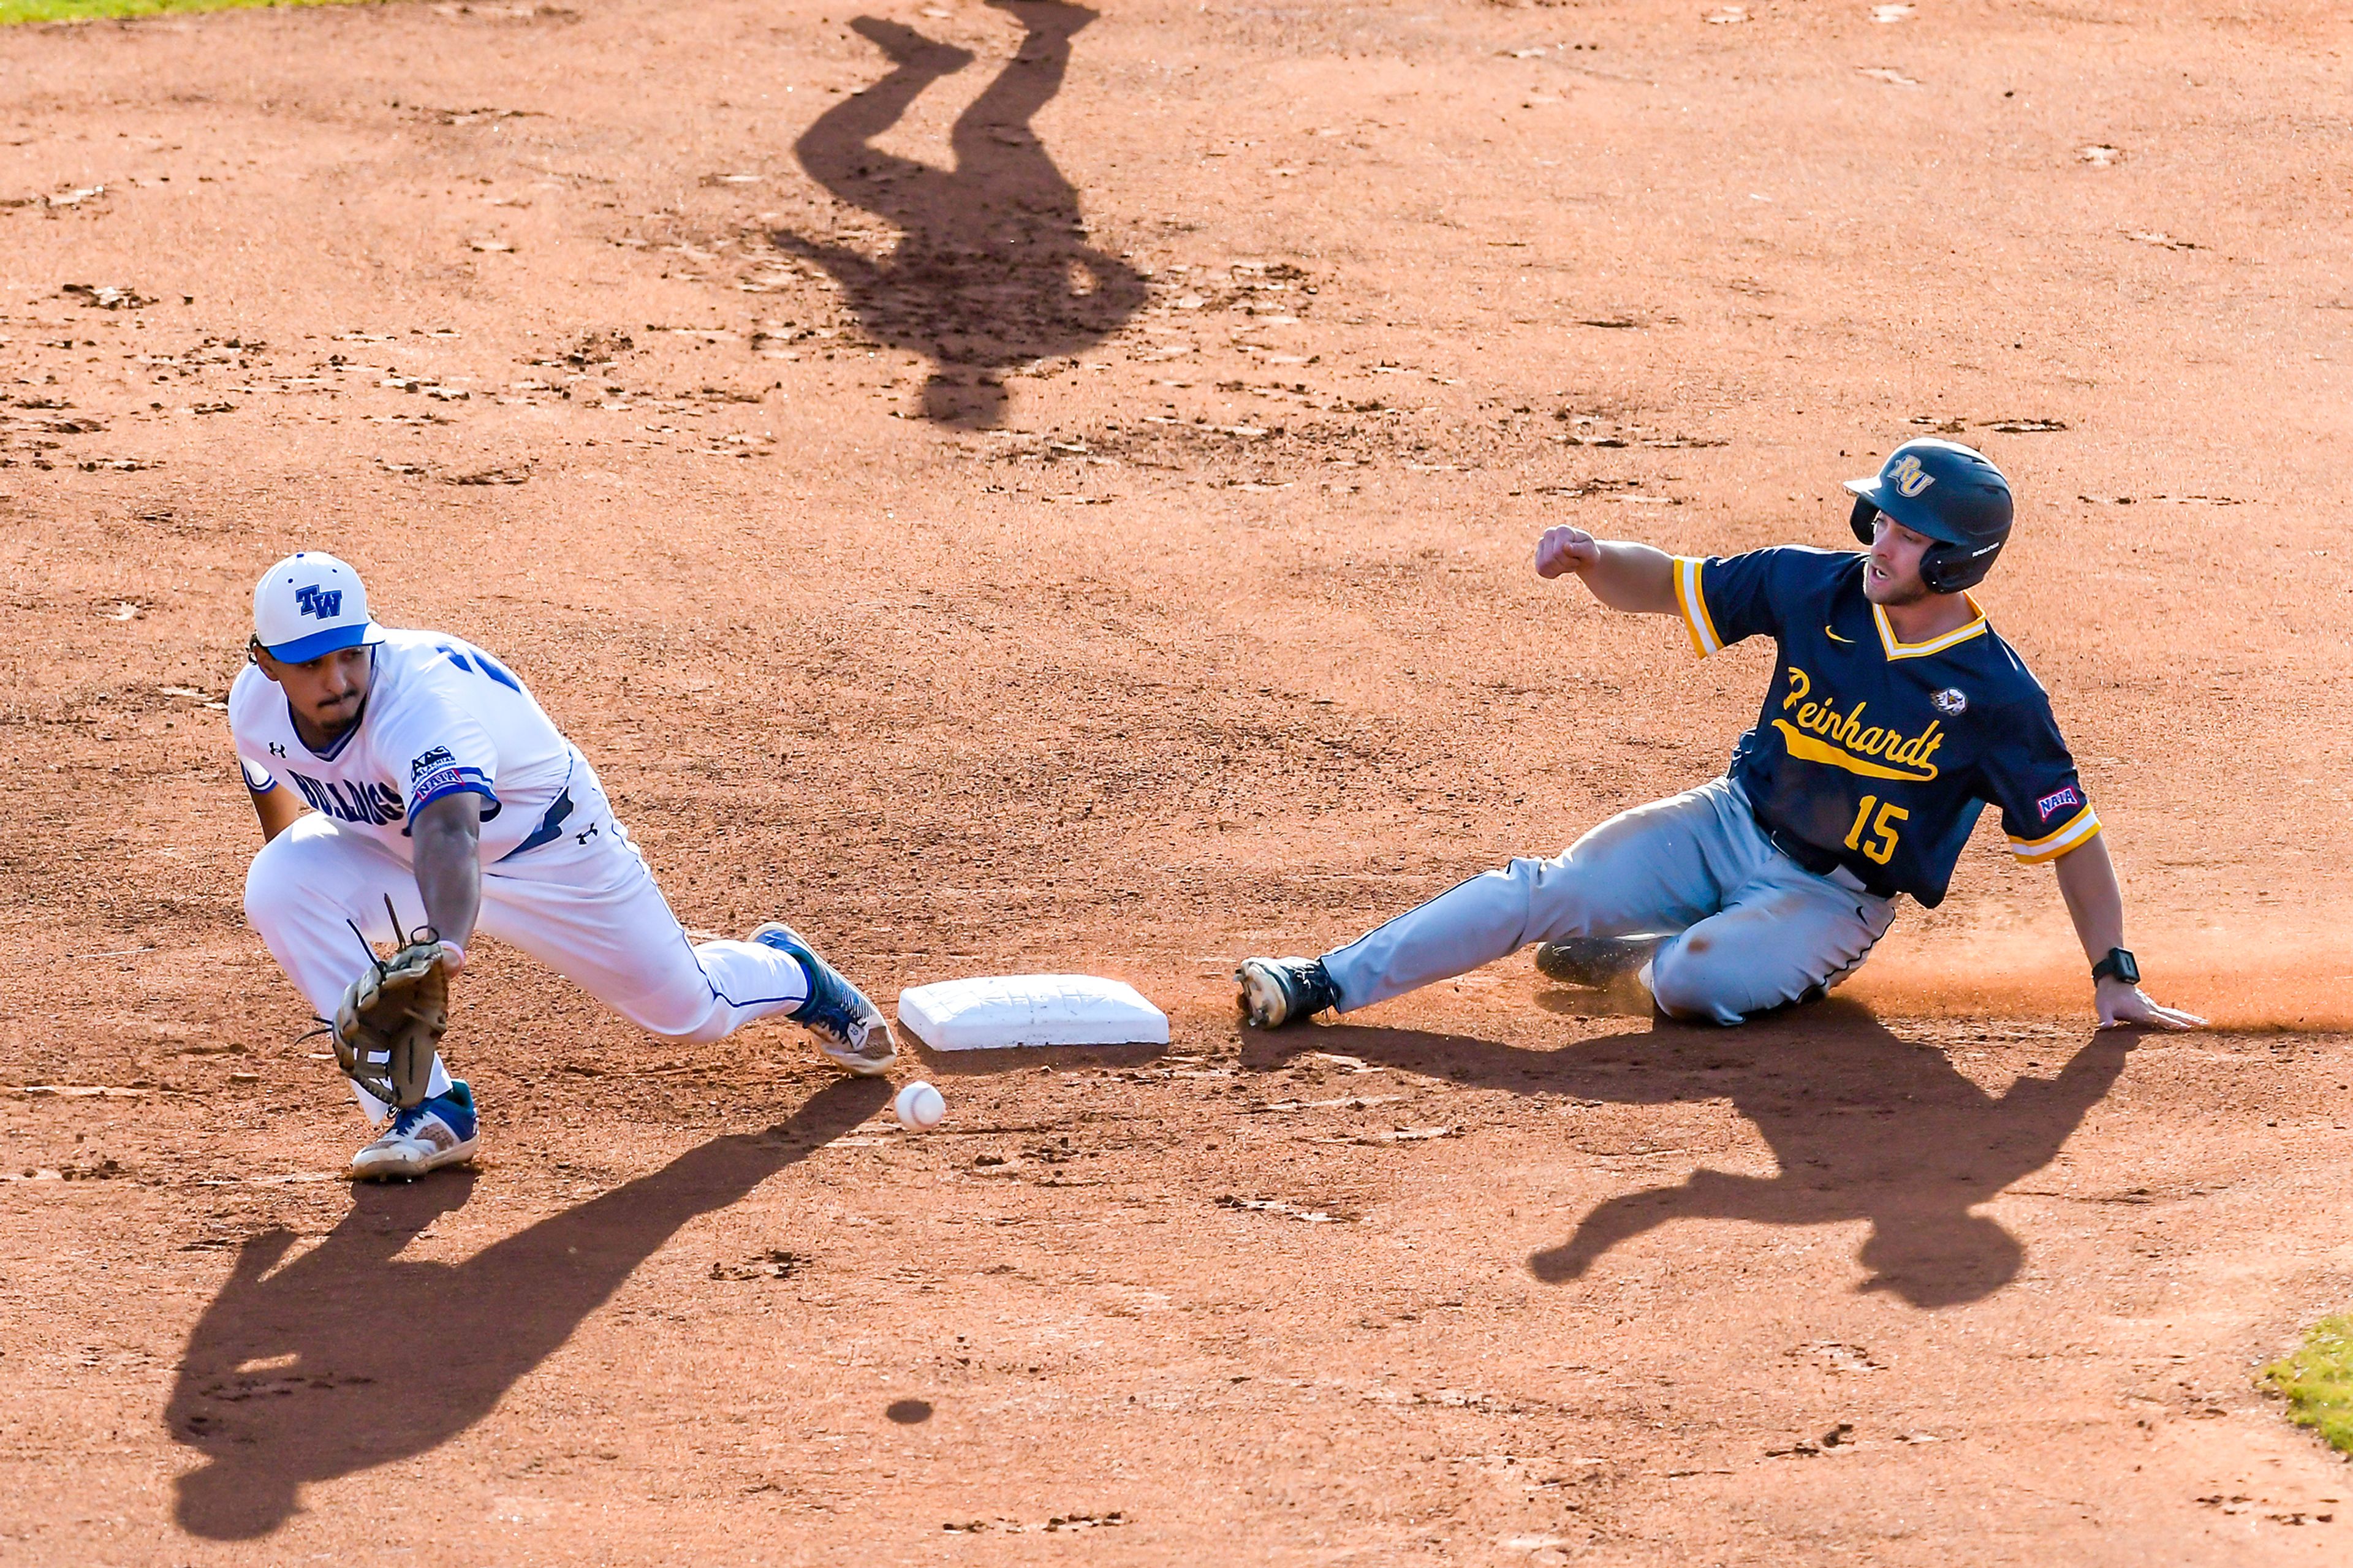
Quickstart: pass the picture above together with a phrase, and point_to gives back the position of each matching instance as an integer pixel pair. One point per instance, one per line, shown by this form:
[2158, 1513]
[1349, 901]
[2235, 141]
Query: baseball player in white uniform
[407, 780]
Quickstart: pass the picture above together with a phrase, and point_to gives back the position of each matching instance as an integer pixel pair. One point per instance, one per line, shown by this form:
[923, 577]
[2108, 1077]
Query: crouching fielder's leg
[586, 906]
[319, 894]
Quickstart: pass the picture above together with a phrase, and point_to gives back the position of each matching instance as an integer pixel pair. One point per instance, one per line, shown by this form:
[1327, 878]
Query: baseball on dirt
[919, 1108]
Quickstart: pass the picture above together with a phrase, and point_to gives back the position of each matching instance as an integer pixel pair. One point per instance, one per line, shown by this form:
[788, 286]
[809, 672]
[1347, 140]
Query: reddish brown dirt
[989, 594]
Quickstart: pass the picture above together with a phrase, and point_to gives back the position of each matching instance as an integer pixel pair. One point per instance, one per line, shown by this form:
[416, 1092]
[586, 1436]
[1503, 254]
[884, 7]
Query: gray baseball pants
[1752, 929]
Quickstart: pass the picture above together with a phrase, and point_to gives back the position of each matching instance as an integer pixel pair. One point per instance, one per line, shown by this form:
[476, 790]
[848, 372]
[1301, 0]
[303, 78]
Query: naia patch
[2050, 805]
[441, 781]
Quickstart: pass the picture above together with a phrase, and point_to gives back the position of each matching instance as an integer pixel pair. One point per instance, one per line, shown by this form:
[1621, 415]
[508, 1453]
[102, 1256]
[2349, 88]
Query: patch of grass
[2318, 1381]
[15, 11]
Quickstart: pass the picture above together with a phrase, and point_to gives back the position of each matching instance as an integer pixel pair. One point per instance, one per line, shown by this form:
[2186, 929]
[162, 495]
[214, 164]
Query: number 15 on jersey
[1880, 846]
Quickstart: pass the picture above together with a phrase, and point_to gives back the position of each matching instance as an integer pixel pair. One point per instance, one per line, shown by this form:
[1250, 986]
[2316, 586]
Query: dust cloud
[2237, 974]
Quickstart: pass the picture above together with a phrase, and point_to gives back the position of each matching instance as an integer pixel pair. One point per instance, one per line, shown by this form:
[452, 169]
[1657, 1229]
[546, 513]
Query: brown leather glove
[389, 1024]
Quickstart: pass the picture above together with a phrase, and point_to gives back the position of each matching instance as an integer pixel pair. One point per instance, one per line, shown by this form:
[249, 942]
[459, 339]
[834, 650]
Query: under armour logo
[1909, 477]
[276, 750]
[328, 603]
[583, 837]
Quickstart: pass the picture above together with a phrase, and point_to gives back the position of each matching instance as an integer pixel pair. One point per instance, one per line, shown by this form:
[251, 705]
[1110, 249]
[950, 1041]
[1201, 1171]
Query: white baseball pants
[584, 904]
[1753, 929]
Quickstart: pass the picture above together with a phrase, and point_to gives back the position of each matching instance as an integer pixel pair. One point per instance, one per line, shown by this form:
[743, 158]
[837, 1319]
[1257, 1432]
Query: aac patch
[439, 757]
[2052, 804]
[1952, 702]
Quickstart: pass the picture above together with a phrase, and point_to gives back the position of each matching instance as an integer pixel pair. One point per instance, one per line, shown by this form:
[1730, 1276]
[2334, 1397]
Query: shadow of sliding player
[992, 271]
[1864, 1126]
[349, 1357]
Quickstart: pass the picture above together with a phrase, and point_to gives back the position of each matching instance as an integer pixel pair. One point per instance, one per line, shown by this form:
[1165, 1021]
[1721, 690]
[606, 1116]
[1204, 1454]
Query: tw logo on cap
[324, 603]
[310, 604]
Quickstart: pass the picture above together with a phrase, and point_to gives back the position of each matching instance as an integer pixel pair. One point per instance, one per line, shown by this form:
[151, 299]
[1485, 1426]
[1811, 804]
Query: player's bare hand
[1565, 549]
[2123, 1006]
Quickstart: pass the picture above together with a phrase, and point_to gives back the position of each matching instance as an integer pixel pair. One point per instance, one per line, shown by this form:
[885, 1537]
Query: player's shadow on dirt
[992, 270]
[350, 1357]
[1865, 1126]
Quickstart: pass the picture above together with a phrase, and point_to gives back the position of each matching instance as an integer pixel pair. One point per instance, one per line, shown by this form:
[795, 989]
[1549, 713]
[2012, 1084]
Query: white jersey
[441, 717]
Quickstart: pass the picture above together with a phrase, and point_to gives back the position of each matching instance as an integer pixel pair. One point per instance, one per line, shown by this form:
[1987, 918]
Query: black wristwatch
[2119, 964]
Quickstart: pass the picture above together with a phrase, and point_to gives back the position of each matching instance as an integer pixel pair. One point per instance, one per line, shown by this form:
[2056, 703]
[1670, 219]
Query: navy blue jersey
[1880, 753]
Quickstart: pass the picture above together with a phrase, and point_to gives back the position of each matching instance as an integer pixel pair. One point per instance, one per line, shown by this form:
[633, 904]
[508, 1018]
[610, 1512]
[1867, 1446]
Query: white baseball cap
[310, 604]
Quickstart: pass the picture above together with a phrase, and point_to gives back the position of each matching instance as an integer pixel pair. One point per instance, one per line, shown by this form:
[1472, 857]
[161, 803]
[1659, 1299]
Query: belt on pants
[1822, 862]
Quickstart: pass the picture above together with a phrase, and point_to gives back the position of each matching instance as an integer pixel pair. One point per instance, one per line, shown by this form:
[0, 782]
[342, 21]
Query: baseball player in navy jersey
[408, 781]
[1895, 716]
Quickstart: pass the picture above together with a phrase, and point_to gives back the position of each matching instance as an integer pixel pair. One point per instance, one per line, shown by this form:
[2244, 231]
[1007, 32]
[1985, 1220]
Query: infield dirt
[1098, 538]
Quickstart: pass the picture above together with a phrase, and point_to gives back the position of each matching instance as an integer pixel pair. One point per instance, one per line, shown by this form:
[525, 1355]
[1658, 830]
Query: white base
[993, 1011]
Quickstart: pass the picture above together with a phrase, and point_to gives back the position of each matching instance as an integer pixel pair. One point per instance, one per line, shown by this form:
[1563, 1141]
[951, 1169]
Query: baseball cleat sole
[370, 1165]
[1596, 963]
[443, 1131]
[1276, 992]
[870, 1060]
[850, 1031]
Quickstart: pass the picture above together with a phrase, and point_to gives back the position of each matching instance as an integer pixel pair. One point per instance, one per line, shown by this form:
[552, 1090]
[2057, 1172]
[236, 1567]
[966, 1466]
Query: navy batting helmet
[1950, 493]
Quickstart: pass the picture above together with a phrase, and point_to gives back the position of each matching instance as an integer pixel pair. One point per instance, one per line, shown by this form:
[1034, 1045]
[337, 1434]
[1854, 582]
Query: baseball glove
[390, 1022]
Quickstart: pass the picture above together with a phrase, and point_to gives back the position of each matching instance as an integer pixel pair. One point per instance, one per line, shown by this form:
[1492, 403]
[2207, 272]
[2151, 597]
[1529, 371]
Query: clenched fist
[1565, 549]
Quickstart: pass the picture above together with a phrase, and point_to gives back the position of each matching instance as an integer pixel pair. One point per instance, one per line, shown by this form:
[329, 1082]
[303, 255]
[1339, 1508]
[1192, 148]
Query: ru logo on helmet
[328, 605]
[1909, 477]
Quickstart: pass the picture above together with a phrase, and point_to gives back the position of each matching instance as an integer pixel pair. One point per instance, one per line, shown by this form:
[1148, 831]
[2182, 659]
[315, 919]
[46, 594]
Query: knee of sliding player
[1687, 986]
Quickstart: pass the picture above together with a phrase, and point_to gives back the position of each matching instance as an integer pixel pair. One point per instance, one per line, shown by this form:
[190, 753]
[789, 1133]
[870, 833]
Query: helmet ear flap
[1936, 572]
[1861, 520]
[1956, 569]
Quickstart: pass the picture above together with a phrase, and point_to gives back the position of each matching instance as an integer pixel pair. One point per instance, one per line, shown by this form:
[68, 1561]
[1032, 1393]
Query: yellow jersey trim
[2079, 830]
[1897, 648]
[1692, 602]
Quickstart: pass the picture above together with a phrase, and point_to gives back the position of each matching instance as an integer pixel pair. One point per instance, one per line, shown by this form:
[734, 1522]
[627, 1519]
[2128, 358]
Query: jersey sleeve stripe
[1692, 602]
[464, 786]
[2080, 830]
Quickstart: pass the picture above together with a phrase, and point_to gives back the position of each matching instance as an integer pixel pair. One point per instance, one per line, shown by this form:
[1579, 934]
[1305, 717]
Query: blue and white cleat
[851, 1030]
[1274, 992]
[442, 1130]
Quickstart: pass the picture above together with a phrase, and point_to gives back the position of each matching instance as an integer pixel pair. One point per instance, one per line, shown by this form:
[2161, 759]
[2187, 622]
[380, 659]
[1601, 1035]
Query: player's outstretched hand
[2123, 1006]
[1565, 549]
